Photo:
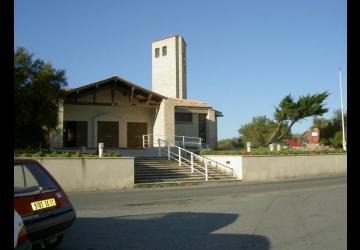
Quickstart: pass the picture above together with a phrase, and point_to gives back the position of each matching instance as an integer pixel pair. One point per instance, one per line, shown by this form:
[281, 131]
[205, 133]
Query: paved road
[305, 214]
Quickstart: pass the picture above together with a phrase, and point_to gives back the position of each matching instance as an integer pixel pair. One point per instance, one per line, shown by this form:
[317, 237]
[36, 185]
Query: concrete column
[211, 131]
[165, 121]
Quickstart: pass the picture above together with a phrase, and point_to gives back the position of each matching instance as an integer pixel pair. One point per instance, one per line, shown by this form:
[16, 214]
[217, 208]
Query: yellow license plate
[43, 204]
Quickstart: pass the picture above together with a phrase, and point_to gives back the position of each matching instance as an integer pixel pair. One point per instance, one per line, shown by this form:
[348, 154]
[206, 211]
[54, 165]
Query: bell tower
[169, 67]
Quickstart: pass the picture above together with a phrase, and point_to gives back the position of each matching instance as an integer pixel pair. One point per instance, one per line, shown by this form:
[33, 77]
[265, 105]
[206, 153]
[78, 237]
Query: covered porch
[112, 111]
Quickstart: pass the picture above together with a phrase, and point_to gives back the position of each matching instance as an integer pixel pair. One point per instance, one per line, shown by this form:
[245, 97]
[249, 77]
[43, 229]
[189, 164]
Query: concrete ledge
[86, 173]
[274, 167]
[282, 167]
[231, 161]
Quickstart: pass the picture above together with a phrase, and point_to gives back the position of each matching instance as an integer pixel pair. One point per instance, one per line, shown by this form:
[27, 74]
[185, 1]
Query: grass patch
[48, 153]
[266, 151]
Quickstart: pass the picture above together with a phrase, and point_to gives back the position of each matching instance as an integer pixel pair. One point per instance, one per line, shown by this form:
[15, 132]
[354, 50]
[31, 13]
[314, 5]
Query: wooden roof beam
[132, 96]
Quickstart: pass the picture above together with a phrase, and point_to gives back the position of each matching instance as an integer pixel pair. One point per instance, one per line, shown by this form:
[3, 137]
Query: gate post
[159, 147]
[192, 163]
[206, 171]
[168, 146]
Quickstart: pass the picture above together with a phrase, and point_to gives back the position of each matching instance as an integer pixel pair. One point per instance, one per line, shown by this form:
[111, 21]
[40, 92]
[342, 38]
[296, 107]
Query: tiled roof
[189, 103]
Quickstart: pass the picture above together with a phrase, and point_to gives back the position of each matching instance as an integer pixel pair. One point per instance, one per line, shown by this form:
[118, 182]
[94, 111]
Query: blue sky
[243, 57]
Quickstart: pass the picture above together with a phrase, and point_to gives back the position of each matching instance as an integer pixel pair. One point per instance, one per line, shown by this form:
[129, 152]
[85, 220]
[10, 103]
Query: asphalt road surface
[302, 214]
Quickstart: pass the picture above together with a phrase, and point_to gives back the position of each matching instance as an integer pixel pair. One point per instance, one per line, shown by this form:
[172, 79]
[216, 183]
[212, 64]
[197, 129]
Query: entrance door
[108, 133]
[202, 127]
[75, 133]
[135, 130]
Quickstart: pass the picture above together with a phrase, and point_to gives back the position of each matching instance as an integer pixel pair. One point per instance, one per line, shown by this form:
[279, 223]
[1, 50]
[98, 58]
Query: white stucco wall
[169, 72]
[211, 129]
[123, 115]
[265, 168]
[122, 111]
[188, 129]
[165, 120]
[256, 168]
[231, 161]
[192, 129]
[80, 174]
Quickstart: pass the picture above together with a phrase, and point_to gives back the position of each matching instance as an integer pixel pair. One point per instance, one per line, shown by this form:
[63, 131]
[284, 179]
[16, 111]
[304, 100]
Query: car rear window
[29, 177]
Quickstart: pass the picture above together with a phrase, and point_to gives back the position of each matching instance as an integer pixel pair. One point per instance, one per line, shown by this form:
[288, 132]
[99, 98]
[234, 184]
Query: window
[157, 52]
[183, 117]
[29, 177]
[164, 50]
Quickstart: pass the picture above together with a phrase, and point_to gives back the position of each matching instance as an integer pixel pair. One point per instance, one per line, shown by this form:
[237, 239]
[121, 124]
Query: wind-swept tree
[258, 131]
[37, 91]
[289, 112]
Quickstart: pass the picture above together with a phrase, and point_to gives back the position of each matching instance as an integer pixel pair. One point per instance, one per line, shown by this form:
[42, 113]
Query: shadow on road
[160, 231]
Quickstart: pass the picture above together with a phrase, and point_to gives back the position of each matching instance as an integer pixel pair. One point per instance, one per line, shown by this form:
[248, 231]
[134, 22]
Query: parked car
[21, 242]
[42, 203]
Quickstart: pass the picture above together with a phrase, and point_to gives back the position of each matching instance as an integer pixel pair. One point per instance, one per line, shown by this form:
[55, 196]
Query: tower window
[157, 52]
[164, 50]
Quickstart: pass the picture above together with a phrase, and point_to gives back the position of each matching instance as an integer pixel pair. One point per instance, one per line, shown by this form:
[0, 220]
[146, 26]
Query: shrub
[78, 154]
[206, 151]
[39, 154]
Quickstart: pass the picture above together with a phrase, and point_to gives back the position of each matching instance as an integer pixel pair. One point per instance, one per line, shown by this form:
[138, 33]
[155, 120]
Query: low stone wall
[231, 161]
[90, 173]
[258, 167]
[282, 167]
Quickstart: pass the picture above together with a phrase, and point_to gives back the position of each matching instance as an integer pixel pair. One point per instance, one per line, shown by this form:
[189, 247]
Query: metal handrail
[231, 169]
[185, 140]
[181, 159]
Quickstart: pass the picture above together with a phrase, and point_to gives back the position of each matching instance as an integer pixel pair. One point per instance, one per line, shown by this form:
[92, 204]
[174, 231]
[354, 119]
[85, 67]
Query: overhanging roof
[115, 83]
[185, 103]
[189, 103]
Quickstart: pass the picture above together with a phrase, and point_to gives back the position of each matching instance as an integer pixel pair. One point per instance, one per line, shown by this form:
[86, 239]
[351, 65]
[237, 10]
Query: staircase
[160, 172]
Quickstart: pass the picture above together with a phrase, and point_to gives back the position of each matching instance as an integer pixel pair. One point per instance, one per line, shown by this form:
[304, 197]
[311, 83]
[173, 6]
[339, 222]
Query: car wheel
[49, 245]
[54, 244]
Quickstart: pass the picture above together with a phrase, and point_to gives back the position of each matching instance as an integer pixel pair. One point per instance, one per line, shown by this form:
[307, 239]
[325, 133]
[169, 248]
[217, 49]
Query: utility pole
[342, 113]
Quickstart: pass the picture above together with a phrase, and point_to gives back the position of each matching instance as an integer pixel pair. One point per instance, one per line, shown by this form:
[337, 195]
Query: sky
[243, 57]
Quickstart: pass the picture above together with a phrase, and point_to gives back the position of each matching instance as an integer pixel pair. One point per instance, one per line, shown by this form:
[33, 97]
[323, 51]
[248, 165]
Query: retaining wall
[257, 167]
[90, 173]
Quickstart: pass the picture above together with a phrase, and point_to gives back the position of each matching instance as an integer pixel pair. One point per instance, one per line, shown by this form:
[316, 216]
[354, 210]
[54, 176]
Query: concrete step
[158, 165]
[167, 179]
[140, 173]
[162, 172]
[178, 176]
[181, 183]
[175, 170]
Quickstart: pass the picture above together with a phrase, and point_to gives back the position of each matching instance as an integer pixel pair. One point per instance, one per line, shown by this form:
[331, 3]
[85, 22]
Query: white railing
[178, 140]
[179, 154]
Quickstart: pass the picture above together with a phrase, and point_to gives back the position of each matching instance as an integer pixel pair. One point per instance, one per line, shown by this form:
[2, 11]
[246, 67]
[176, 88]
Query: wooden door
[135, 131]
[108, 133]
[81, 133]
[75, 133]
[202, 127]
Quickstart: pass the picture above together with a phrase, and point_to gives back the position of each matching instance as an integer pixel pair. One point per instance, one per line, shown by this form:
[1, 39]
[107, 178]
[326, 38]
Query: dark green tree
[230, 143]
[38, 88]
[259, 130]
[289, 112]
[331, 129]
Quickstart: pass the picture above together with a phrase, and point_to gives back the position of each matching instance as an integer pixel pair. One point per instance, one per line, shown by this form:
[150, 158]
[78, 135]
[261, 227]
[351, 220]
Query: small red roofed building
[313, 138]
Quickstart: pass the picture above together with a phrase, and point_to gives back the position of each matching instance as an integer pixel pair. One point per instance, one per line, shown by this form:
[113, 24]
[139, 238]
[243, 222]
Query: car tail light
[22, 235]
[65, 198]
